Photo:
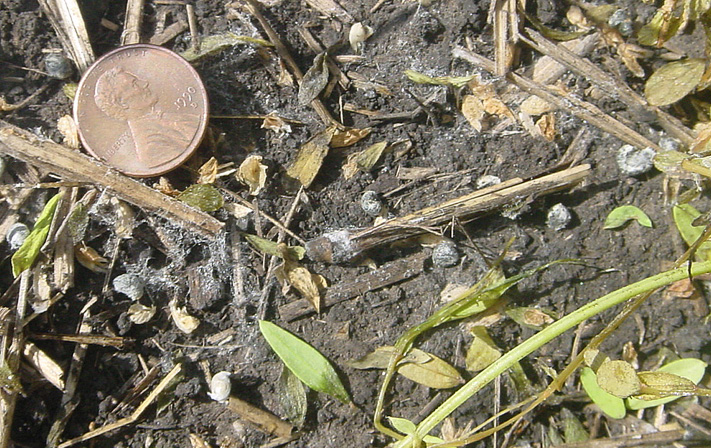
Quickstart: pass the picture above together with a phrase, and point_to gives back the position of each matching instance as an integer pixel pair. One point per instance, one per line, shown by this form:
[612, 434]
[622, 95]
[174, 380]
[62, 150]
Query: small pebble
[487, 181]
[445, 255]
[669, 144]
[16, 235]
[58, 66]
[558, 217]
[633, 161]
[220, 386]
[371, 203]
[130, 285]
[621, 20]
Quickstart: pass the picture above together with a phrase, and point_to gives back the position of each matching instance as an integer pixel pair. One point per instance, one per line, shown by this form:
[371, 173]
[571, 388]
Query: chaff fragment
[11, 350]
[263, 420]
[134, 17]
[74, 166]
[344, 245]
[69, 399]
[635, 102]
[581, 109]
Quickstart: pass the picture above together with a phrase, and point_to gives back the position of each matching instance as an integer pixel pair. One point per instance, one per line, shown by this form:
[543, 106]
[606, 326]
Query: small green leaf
[621, 215]
[269, 247]
[23, 258]
[304, 361]
[673, 81]
[292, 396]
[684, 216]
[204, 197]
[612, 406]
[690, 368]
[405, 426]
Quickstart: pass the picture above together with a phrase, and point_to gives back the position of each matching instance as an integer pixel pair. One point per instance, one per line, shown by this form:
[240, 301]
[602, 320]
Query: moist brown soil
[240, 81]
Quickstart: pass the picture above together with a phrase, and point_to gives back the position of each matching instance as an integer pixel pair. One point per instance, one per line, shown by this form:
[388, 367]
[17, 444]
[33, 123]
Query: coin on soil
[141, 109]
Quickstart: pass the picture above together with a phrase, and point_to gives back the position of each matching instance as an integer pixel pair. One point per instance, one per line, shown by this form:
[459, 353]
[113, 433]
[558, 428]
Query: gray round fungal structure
[445, 255]
[16, 235]
[58, 66]
[487, 180]
[371, 203]
[130, 285]
[558, 217]
[633, 161]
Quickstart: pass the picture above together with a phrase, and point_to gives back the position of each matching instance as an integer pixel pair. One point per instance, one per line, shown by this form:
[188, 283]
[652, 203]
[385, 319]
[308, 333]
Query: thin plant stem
[544, 336]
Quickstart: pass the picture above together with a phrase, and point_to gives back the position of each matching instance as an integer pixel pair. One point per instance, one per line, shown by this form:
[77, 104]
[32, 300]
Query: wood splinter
[341, 246]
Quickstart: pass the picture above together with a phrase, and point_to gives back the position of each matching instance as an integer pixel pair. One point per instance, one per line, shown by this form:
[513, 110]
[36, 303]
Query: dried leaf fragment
[68, 128]
[618, 378]
[140, 314]
[673, 81]
[300, 278]
[184, 321]
[275, 123]
[88, 257]
[473, 111]
[419, 366]
[482, 351]
[214, 44]
[546, 126]
[253, 173]
[348, 137]
[314, 81]
[207, 173]
[292, 396]
[364, 160]
[310, 157]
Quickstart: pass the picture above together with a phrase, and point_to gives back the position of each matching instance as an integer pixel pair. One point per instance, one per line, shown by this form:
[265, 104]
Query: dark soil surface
[221, 281]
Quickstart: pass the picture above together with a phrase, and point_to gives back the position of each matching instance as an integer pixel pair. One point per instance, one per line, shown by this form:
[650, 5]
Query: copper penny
[141, 109]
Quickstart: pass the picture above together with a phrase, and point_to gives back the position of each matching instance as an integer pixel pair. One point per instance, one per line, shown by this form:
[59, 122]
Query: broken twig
[343, 245]
[74, 166]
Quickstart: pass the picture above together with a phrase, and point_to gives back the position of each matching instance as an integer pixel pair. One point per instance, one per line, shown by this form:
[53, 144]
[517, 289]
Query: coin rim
[199, 135]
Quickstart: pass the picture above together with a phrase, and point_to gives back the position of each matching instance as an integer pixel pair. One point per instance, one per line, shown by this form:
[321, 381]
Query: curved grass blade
[304, 361]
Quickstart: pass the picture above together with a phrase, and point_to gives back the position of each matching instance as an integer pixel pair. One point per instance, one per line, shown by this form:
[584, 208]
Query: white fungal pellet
[558, 217]
[130, 285]
[16, 235]
[445, 255]
[220, 386]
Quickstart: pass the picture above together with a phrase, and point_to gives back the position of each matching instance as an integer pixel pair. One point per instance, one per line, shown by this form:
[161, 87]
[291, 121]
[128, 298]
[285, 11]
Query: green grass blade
[23, 258]
[304, 361]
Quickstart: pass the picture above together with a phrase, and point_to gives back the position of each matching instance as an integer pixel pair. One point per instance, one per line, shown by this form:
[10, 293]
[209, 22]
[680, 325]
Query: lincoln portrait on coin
[158, 136]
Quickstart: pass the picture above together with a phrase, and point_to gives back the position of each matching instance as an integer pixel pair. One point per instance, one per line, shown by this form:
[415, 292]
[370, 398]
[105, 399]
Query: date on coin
[142, 109]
